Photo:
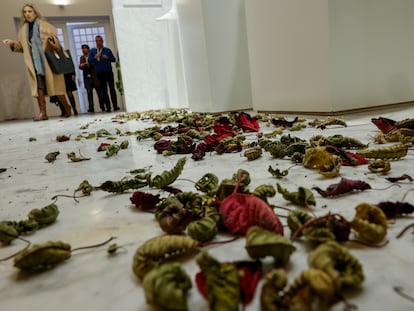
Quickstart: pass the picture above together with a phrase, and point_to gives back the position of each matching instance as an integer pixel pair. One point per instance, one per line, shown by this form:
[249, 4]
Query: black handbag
[60, 62]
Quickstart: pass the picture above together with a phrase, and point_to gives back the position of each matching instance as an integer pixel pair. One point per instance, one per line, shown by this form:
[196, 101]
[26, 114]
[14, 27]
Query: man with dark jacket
[102, 58]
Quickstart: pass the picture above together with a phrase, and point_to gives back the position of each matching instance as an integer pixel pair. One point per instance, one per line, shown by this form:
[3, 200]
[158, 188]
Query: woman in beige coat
[35, 37]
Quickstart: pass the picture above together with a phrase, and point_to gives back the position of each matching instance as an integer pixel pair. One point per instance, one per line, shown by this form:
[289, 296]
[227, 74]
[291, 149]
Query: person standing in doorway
[90, 81]
[102, 58]
[70, 83]
[36, 36]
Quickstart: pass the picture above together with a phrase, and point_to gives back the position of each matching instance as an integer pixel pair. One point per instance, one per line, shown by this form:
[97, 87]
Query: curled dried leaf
[296, 219]
[154, 251]
[344, 186]
[168, 177]
[325, 228]
[51, 156]
[223, 283]
[174, 218]
[145, 201]
[202, 230]
[379, 166]
[166, 287]
[42, 256]
[7, 233]
[45, 215]
[303, 197]
[313, 287]
[261, 243]
[85, 187]
[336, 260]
[208, 183]
[390, 152]
[271, 298]
[370, 222]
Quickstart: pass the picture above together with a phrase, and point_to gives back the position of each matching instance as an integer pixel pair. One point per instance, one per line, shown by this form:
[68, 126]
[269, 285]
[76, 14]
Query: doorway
[75, 31]
[72, 33]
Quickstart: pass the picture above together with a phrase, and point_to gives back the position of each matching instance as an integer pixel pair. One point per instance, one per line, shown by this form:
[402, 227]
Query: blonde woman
[36, 36]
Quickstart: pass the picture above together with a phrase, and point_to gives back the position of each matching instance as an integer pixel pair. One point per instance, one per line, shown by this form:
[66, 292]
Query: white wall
[215, 56]
[141, 51]
[372, 52]
[330, 55]
[289, 54]
[15, 98]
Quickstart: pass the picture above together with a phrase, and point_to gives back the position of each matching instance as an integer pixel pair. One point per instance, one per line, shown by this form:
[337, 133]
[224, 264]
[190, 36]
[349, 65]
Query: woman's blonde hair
[31, 5]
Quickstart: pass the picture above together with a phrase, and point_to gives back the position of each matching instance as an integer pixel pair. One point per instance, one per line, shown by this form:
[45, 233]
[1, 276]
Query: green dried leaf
[42, 256]
[296, 219]
[336, 260]
[7, 233]
[166, 287]
[154, 251]
[271, 298]
[261, 243]
[44, 216]
[370, 222]
[313, 289]
[202, 230]
[303, 197]
[168, 177]
[223, 283]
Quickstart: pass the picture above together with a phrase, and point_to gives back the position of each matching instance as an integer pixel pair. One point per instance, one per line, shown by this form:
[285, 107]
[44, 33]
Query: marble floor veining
[94, 280]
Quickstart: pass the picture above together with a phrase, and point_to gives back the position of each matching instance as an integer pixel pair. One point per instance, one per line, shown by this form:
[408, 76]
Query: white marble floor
[93, 280]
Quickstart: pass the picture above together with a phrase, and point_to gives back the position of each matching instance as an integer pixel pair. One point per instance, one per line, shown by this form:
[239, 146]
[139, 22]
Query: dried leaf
[271, 298]
[390, 152]
[202, 230]
[42, 256]
[336, 260]
[45, 215]
[166, 287]
[222, 283]
[261, 243]
[303, 197]
[394, 209]
[313, 287]
[51, 156]
[370, 222]
[154, 251]
[344, 186]
[145, 201]
[168, 177]
[240, 211]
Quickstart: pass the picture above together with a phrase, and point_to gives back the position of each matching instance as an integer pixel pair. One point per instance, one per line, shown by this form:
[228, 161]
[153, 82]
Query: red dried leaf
[246, 122]
[162, 145]
[402, 177]
[102, 147]
[62, 138]
[199, 152]
[360, 160]
[344, 186]
[145, 201]
[252, 273]
[284, 123]
[385, 125]
[240, 211]
[394, 209]
[172, 190]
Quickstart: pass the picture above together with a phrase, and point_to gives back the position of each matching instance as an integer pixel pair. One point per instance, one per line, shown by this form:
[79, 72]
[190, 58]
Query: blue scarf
[36, 48]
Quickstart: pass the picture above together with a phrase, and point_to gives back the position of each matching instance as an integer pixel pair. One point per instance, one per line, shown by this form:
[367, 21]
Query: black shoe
[116, 108]
[108, 110]
[91, 110]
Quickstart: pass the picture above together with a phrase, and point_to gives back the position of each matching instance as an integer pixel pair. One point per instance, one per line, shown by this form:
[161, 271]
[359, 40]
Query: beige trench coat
[55, 84]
